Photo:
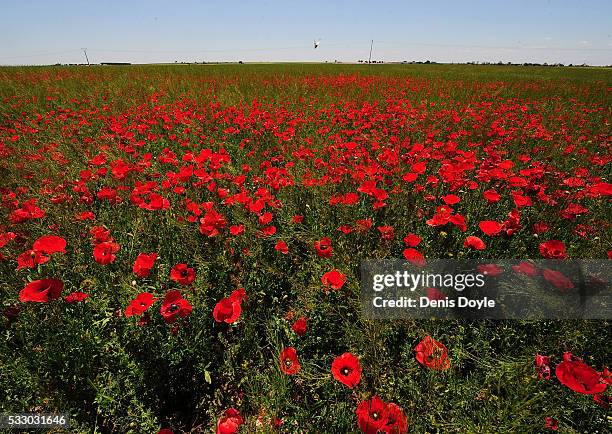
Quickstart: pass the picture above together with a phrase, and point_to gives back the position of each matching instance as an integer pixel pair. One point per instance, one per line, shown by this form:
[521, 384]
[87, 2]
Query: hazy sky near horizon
[139, 31]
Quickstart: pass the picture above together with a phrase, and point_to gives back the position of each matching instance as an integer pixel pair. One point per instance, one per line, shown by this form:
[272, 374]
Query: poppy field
[180, 245]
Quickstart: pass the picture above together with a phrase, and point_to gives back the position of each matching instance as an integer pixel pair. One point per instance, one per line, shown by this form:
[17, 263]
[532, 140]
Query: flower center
[345, 371]
[287, 362]
[375, 415]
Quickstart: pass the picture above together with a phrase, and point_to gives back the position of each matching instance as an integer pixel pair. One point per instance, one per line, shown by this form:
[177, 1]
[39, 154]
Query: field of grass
[239, 172]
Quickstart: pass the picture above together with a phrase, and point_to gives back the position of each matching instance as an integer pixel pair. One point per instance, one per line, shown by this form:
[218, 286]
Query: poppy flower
[334, 279]
[578, 376]
[435, 294]
[104, 253]
[236, 230]
[143, 264]
[414, 256]
[281, 247]
[6, 237]
[432, 354]
[41, 291]
[323, 247]
[140, 304]
[182, 274]
[289, 363]
[412, 240]
[100, 234]
[75, 297]
[490, 270]
[347, 370]
[553, 249]
[491, 196]
[212, 223]
[267, 231]
[30, 259]
[297, 219]
[386, 232]
[227, 310]
[397, 423]
[238, 295]
[490, 227]
[451, 199]
[551, 423]
[542, 364]
[371, 415]
[300, 326]
[557, 279]
[165, 431]
[526, 268]
[50, 244]
[474, 243]
[230, 422]
[173, 306]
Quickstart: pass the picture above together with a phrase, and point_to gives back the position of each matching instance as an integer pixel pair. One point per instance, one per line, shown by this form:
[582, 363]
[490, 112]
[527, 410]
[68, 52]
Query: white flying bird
[316, 43]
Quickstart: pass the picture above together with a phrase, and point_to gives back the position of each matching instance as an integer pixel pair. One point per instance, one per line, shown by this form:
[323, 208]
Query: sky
[139, 31]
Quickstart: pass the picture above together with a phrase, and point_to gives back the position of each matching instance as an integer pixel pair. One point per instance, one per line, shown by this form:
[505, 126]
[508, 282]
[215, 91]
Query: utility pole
[86, 58]
[370, 58]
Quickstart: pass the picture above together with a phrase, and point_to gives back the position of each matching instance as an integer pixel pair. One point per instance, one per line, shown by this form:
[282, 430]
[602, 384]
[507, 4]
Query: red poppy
[432, 354]
[412, 240]
[143, 264]
[75, 297]
[267, 231]
[551, 423]
[397, 423]
[300, 326]
[42, 290]
[435, 294]
[557, 279]
[104, 253]
[414, 256]
[542, 364]
[490, 227]
[30, 259]
[289, 363]
[491, 196]
[182, 274]
[490, 270]
[165, 431]
[323, 247]
[386, 232]
[281, 247]
[238, 295]
[334, 279]
[553, 249]
[230, 422]
[347, 370]
[100, 234]
[5, 238]
[578, 376]
[140, 304]
[50, 244]
[371, 415]
[451, 199]
[173, 306]
[296, 219]
[236, 230]
[212, 223]
[474, 243]
[227, 310]
[526, 268]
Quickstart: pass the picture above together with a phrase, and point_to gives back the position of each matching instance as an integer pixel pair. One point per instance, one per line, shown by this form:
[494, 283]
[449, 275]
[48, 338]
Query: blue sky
[43, 32]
